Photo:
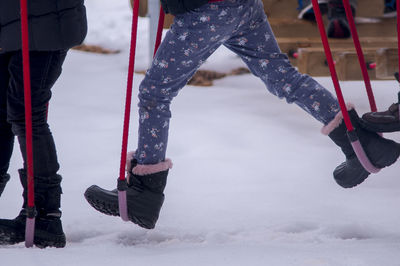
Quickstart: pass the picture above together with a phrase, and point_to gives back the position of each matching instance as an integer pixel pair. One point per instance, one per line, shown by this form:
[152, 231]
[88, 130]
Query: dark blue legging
[241, 26]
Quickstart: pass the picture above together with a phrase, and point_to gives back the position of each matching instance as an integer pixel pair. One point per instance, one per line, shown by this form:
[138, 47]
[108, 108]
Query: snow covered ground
[252, 179]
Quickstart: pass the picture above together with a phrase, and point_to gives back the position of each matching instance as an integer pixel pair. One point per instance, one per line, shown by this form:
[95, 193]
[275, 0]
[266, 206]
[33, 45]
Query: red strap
[128, 100]
[28, 104]
[331, 65]
[360, 54]
[159, 30]
[398, 31]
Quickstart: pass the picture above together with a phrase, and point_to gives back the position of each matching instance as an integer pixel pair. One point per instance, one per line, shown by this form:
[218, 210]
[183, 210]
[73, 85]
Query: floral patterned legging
[241, 26]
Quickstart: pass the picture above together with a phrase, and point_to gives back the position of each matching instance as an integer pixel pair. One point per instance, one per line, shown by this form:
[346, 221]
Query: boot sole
[8, 237]
[41, 240]
[106, 206]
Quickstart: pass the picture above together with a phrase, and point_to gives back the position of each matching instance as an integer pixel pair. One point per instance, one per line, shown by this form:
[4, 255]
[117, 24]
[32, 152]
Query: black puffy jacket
[176, 7]
[53, 24]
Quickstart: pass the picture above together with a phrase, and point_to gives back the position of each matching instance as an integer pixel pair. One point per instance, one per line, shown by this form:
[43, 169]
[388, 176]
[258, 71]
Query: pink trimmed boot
[145, 194]
[380, 151]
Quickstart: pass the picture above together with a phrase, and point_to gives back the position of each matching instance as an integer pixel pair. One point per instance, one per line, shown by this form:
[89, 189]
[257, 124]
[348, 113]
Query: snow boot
[338, 26]
[306, 11]
[380, 151]
[48, 227]
[144, 194]
[390, 10]
[3, 181]
[386, 121]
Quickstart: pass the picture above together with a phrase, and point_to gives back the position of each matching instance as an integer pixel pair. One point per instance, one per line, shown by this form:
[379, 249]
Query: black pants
[45, 69]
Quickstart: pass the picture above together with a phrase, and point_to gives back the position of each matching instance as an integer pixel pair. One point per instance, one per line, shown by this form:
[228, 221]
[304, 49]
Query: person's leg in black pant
[45, 70]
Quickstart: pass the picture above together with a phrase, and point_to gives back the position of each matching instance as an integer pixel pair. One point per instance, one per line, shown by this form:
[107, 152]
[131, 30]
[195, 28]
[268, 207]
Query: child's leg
[6, 135]
[256, 44]
[192, 39]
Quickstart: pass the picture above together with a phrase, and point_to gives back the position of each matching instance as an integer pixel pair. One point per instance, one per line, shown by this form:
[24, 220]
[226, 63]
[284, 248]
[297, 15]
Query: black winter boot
[338, 26]
[144, 197]
[380, 151]
[386, 121]
[48, 227]
[3, 181]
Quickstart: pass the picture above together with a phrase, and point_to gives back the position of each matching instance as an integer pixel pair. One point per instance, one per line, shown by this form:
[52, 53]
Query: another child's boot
[146, 184]
[380, 151]
[386, 121]
[48, 227]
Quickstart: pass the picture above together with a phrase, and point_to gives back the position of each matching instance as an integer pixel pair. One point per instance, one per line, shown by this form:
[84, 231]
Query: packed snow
[252, 178]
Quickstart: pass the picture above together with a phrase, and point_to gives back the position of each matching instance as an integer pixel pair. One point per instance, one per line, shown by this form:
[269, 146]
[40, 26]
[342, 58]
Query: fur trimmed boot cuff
[326, 130]
[148, 169]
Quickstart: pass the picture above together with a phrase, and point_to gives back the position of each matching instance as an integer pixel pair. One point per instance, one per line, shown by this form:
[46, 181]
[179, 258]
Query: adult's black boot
[48, 227]
[338, 26]
[380, 151]
[145, 194]
[3, 181]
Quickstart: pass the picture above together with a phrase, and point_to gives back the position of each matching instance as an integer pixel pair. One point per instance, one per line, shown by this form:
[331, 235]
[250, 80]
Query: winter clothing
[386, 121]
[176, 7]
[380, 151]
[338, 26]
[241, 26]
[144, 194]
[53, 24]
[3, 181]
[54, 27]
[48, 228]
[45, 69]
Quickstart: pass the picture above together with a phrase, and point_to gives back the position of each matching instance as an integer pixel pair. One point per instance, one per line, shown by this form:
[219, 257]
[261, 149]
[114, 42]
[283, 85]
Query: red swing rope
[122, 182]
[355, 143]
[360, 54]
[30, 225]
[159, 30]
[331, 65]
[128, 100]
[398, 31]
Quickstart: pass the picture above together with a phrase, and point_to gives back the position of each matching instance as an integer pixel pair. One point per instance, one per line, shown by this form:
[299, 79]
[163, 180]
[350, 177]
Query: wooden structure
[378, 38]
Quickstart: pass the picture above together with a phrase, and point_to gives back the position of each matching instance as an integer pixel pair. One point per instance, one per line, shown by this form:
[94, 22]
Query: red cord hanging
[357, 147]
[30, 222]
[360, 54]
[122, 182]
[331, 65]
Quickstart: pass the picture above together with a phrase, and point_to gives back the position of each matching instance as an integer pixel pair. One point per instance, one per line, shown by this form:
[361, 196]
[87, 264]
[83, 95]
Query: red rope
[398, 30]
[159, 30]
[128, 102]
[331, 65]
[360, 54]
[28, 104]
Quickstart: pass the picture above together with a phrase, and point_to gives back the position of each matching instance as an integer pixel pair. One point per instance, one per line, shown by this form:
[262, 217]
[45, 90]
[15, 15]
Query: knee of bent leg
[39, 122]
